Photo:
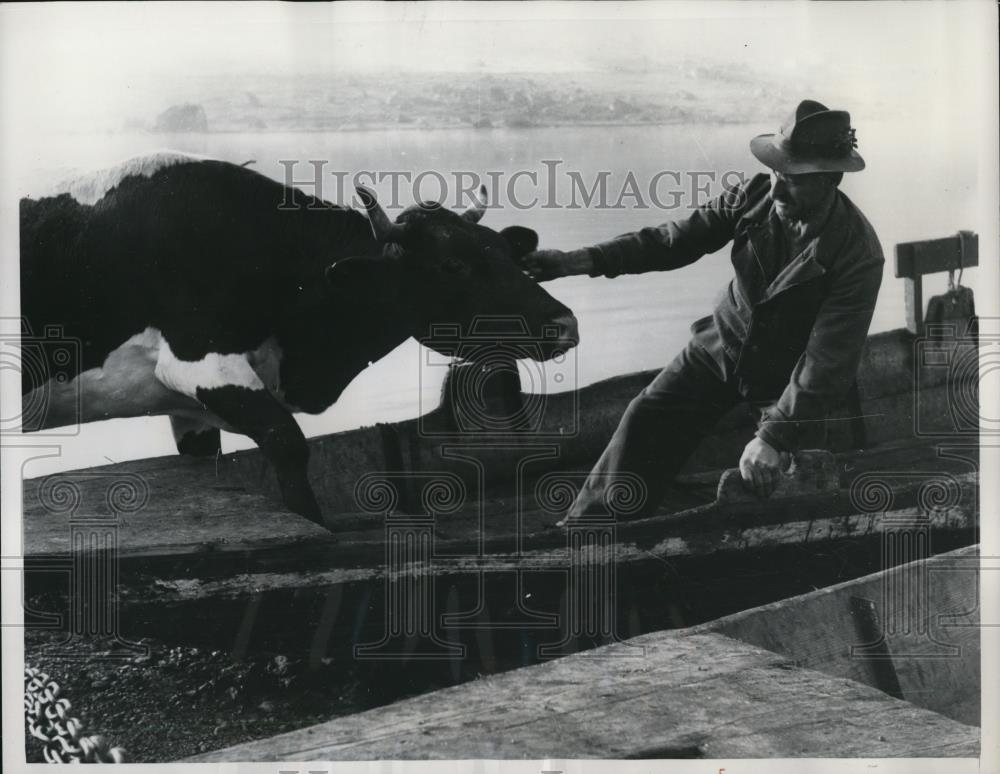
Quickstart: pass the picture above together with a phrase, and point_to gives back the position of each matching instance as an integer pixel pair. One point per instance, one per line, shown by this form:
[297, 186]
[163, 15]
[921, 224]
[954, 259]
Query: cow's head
[460, 282]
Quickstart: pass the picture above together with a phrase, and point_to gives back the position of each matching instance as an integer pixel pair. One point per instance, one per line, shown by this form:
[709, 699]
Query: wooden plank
[662, 695]
[195, 515]
[913, 299]
[813, 472]
[915, 259]
[707, 578]
[171, 591]
[188, 510]
[835, 512]
[932, 642]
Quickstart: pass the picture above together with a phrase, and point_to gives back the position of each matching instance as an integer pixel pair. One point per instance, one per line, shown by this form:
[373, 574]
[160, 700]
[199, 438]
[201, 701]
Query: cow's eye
[452, 265]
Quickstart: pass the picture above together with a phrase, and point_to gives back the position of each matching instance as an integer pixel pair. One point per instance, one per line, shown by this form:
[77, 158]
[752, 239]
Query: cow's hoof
[206, 443]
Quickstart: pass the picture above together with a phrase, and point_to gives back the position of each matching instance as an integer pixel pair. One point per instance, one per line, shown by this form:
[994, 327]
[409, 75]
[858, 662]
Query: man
[788, 330]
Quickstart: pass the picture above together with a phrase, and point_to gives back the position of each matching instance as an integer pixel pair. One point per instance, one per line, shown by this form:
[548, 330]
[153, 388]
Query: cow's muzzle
[568, 335]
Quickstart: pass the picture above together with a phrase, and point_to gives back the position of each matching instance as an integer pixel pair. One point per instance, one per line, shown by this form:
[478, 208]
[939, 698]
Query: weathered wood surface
[915, 259]
[229, 505]
[812, 473]
[226, 532]
[628, 549]
[931, 650]
[189, 509]
[661, 695]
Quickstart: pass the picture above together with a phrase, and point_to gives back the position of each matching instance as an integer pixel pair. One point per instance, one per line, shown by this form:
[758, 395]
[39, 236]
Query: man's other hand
[544, 265]
[762, 465]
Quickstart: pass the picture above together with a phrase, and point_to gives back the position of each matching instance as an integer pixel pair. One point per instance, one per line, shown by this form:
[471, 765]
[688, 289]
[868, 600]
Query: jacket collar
[815, 259]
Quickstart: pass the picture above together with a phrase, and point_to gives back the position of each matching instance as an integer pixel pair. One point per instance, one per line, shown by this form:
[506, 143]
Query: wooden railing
[915, 259]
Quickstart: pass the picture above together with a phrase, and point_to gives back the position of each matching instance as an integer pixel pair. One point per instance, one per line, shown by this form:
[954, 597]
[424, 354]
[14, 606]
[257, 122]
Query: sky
[62, 60]
[223, 37]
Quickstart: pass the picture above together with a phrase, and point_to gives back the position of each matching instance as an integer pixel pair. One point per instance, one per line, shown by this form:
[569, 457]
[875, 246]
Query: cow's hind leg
[194, 438]
[228, 387]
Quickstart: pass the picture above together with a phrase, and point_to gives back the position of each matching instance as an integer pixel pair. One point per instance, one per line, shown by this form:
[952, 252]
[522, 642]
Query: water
[626, 324]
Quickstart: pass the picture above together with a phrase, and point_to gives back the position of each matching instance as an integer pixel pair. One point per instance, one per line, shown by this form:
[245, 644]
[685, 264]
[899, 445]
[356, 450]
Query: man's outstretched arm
[657, 248]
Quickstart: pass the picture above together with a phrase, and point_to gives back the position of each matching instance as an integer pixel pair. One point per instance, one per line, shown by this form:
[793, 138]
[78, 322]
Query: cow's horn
[477, 209]
[383, 228]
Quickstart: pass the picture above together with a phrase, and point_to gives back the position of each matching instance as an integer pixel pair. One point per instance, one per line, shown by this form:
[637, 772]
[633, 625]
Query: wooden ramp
[175, 508]
[912, 632]
[661, 695]
[698, 693]
[198, 552]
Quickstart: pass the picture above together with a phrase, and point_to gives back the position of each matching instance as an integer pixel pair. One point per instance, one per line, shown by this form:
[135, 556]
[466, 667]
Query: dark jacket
[797, 339]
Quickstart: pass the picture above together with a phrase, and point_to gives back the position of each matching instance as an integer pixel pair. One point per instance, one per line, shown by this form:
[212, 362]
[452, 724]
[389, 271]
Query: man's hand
[544, 265]
[762, 465]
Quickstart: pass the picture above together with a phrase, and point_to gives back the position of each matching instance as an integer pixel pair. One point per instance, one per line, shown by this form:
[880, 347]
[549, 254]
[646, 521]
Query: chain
[47, 716]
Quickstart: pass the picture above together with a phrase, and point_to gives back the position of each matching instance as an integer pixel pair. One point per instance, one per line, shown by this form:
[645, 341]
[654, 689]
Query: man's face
[797, 197]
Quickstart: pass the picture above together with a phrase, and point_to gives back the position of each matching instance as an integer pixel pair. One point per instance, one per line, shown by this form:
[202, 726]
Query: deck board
[661, 695]
[196, 509]
[933, 640]
[190, 509]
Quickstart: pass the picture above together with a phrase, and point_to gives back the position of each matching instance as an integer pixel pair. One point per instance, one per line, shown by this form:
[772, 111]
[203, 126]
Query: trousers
[658, 432]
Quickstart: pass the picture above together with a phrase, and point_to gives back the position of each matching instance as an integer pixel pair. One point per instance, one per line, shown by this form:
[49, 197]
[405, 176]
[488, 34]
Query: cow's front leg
[256, 413]
[228, 387]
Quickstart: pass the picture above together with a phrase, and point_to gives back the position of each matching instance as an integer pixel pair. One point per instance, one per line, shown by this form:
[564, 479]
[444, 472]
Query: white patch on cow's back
[89, 187]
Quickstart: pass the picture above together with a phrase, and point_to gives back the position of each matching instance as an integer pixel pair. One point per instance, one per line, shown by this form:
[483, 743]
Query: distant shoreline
[411, 128]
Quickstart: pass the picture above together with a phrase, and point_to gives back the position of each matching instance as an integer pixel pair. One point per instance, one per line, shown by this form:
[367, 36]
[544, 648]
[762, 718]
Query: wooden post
[913, 289]
[915, 259]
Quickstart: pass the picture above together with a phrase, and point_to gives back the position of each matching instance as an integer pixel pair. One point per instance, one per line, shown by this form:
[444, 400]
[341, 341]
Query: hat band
[839, 147]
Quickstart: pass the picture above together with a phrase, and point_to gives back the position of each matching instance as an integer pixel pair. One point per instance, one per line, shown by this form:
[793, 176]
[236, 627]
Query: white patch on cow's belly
[127, 383]
[211, 372]
[124, 386]
[259, 369]
[143, 377]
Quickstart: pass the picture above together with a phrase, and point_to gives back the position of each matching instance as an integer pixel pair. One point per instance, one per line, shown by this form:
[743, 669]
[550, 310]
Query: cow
[206, 291]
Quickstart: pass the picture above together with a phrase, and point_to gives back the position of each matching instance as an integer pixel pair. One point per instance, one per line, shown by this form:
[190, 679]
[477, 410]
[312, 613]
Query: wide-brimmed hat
[813, 139]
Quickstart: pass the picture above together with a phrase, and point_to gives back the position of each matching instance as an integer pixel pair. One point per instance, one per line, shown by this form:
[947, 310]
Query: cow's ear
[522, 239]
